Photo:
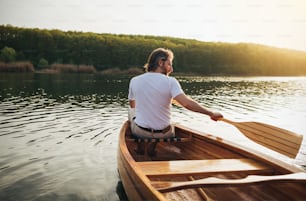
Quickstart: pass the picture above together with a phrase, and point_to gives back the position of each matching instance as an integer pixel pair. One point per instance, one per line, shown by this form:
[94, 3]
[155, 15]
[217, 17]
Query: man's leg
[140, 149]
[151, 148]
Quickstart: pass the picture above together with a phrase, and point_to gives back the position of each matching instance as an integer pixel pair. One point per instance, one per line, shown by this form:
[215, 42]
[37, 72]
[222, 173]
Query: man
[151, 95]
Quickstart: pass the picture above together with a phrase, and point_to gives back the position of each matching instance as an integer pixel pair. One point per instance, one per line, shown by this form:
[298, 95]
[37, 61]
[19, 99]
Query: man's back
[153, 93]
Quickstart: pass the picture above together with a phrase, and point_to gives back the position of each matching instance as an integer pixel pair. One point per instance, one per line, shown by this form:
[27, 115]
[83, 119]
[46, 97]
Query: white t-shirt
[153, 93]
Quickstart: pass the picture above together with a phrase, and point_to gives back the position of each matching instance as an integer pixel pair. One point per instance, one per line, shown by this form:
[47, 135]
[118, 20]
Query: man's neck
[159, 70]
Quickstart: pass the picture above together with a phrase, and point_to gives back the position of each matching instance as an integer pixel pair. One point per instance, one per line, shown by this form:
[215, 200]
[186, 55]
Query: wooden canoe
[205, 167]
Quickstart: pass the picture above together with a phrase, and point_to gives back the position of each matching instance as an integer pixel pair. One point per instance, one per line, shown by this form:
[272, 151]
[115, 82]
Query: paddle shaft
[166, 186]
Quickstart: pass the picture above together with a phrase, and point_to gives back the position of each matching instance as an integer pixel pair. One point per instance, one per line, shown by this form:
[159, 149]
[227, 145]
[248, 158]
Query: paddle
[166, 186]
[277, 139]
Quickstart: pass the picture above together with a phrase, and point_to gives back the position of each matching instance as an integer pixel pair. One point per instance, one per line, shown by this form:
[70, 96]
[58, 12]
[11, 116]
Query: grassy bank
[117, 71]
[69, 68]
[21, 67]
[26, 67]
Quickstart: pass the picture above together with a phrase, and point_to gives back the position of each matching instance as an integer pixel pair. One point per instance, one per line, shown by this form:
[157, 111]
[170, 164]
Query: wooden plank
[165, 186]
[203, 149]
[196, 167]
[206, 146]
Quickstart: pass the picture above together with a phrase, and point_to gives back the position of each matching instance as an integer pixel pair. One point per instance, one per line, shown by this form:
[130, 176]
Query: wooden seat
[202, 167]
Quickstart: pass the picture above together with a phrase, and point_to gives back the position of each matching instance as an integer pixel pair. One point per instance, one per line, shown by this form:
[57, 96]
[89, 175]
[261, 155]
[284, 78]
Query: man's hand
[216, 116]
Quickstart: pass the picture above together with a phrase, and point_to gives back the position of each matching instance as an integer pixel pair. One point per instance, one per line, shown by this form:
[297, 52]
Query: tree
[42, 63]
[106, 51]
[8, 54]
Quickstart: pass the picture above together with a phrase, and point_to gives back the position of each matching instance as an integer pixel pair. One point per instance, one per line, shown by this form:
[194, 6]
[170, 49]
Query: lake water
[59, 133]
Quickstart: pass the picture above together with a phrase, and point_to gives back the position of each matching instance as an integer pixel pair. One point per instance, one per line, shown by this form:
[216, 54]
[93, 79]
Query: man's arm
[194, 106]
[132, 103]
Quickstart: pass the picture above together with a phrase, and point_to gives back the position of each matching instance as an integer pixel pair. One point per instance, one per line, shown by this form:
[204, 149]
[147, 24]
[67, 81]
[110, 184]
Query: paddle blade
[277, 139]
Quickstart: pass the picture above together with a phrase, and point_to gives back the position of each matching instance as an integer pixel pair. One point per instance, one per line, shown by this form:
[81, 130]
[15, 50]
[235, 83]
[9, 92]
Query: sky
[279, 23]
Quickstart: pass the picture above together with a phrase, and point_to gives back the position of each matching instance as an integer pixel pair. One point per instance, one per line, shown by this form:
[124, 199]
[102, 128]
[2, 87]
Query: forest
[106, 52]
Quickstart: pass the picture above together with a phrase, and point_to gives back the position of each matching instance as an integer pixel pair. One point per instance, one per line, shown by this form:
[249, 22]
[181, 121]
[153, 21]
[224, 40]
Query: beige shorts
[139, 132]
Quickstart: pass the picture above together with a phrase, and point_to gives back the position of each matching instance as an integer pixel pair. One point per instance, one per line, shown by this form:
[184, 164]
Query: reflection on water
[59, 133]
[279, 101]
[59, 137]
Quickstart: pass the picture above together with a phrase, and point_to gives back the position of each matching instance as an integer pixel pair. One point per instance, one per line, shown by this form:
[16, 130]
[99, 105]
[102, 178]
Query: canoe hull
[204, 156]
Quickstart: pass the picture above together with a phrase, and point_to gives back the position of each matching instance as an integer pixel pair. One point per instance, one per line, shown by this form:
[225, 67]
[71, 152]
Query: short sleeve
[176, 88]
[131, 94]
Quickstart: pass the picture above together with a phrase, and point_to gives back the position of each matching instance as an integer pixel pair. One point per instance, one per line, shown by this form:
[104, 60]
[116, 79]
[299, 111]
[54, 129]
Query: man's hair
[157, 55]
